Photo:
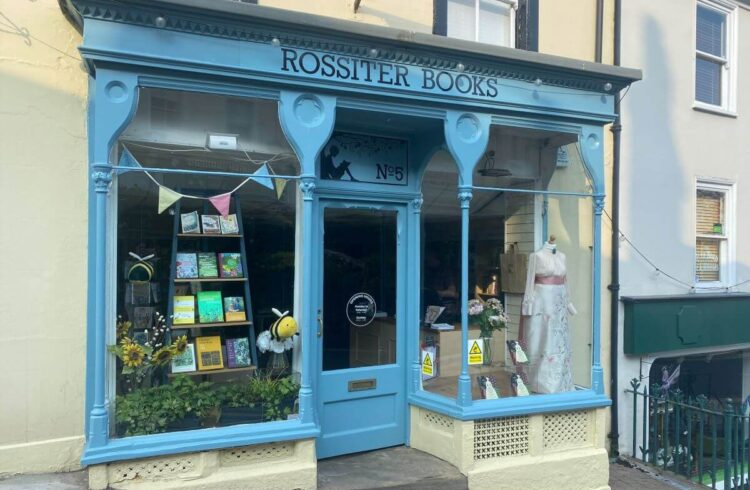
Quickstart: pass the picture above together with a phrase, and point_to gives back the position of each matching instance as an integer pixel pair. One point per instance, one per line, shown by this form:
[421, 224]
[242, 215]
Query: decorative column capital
[102, 179]
[464, 197]
[307, 186]
[416, 204]
[598, 205]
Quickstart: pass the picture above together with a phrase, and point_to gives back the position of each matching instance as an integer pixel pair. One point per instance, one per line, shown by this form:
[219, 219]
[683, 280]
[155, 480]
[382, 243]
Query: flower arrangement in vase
[490, 316]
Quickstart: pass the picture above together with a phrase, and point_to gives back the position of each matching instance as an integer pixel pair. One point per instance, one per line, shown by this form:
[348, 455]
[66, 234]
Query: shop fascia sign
[385, 75]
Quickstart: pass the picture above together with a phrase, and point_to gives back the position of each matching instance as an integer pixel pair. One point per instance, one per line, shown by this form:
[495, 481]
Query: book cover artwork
[184, 310]
[209, 307]
[185, 362]
[211, 224]
[207, 266]
[190, 222]
[234, 309]
[187, 265]
[238, 352]
[229, 224]
[209, 353]
[231, 265]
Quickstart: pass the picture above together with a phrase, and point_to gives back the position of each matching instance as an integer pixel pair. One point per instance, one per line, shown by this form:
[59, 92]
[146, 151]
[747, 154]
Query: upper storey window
[484, 21]
[715, 55]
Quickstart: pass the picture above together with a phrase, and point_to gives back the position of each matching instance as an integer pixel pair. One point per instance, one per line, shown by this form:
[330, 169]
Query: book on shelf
[183, 311]
[229, 224]
[207, 266]
[230, 264]
[190, 223]
[209, 353]
[211, 224]
[234, 309]
[185, 362]
[210, 307]
[238, 352]
[187, 265]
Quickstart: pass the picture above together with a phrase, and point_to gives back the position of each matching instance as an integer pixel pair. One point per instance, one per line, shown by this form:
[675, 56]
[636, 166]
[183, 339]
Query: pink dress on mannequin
[546, 334]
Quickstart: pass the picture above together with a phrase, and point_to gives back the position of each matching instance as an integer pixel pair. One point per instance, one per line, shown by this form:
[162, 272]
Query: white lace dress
[545, 333]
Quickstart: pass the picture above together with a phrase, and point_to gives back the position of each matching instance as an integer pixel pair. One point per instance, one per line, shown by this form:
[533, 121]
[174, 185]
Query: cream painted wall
[43, 194]
[415, 15]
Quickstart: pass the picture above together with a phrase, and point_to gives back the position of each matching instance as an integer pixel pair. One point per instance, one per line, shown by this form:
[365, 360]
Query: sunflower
[132, 355]
[162, 356]
[180, 344]
[123, 327]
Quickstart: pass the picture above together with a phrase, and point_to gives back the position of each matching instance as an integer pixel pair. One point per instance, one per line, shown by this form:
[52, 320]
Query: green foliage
[151, 410]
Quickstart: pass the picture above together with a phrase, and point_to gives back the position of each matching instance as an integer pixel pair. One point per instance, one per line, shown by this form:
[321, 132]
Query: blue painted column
[466, 135]
[115, 102]
[464, 380]
[307, 121]
[597, 373]
[590, 143]
[414, 291]
[99, 417]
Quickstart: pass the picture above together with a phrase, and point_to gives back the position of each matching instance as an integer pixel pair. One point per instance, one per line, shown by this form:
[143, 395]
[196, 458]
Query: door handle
[320, 323]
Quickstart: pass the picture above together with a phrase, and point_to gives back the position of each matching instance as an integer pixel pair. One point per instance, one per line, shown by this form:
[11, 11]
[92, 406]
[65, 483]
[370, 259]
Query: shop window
[484, 21]
[205, 260]
[713, 228]
[440, 327]
[715, 55]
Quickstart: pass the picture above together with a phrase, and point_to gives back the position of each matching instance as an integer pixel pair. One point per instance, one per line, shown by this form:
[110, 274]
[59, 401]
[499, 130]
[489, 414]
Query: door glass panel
[359, 291]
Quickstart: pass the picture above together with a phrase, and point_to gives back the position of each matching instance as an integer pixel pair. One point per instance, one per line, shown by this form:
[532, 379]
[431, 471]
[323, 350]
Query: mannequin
[546, 334]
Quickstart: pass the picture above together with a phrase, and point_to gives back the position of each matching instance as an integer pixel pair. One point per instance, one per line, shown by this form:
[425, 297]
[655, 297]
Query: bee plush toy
[279, 337]
[284, 327]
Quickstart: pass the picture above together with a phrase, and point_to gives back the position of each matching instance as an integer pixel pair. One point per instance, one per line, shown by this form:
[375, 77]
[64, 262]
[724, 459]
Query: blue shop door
[362, 375]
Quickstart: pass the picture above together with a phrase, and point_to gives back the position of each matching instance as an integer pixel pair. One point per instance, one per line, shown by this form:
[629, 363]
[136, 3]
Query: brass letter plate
[363, 384]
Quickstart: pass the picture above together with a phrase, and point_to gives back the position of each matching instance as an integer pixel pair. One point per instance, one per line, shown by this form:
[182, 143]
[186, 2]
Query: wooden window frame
[727, 250]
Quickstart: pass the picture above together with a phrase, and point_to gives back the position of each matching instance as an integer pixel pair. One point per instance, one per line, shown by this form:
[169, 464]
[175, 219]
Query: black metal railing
[703, 440]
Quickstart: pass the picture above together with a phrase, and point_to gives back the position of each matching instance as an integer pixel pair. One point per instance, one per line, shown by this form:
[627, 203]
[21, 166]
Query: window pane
[708, 81]
[710, 213]
[461, 19]
[359, 256]
[710, 31]
[707, 259]
[440, 331]
[494, 23]
[194, 289]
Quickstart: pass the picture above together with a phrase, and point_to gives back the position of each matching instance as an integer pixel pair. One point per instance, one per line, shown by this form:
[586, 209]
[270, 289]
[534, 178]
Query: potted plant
[491, 317]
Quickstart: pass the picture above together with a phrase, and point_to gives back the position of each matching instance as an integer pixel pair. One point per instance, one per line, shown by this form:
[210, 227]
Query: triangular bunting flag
[263, 172]
[127, 160]
[167, 197]
[280, 184]
[221, 203]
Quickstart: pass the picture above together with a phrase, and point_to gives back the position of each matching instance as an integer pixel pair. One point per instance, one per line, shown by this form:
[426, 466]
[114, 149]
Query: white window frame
[727, 252]
[728, 106]
[512, 4]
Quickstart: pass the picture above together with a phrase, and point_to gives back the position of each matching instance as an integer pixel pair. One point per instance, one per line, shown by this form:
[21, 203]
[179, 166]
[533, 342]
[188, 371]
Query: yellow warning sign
[476, 348]
[427, 367]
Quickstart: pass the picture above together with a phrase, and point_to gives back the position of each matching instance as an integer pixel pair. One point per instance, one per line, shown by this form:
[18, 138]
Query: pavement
[397, 467]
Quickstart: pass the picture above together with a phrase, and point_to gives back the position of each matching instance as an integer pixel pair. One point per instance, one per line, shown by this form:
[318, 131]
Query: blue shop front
[310, 237]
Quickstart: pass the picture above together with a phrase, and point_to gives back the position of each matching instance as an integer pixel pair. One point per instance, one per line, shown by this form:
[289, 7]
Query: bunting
[167, 197]
[221, 203]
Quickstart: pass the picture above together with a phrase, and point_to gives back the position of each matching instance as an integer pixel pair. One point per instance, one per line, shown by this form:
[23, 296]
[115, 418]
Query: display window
[205, 201]
[530, 270]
